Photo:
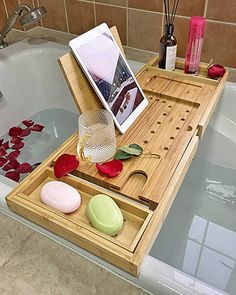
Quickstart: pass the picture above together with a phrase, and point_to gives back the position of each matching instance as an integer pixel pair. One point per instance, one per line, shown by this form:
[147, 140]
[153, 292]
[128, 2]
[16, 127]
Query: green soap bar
[105, 215]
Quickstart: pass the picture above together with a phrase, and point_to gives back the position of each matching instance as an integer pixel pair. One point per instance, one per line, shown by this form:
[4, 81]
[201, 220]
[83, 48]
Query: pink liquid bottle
[195, 42]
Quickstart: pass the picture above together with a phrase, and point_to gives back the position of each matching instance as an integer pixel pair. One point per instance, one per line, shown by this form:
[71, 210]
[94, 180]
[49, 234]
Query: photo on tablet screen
[111, 75]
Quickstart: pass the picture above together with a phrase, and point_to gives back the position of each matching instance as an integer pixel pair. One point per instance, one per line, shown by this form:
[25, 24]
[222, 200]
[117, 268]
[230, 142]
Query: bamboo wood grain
[211, 106]
[180, 107]
[136, 217]
[157, 142]
[75, 227]
[164, 206]
[176, 106]
[179, 72]
[110, 252]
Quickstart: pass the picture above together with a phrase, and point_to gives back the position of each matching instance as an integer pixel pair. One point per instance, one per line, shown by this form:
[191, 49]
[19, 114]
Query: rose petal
[6, 145]
[24, 168]
[25, 132]
[2, 161]
[13, 155]
[1, 141]
[37, 127]
[12, 164]
[28, 123]
[2, 151]
[16, 139]
[18, 146]
[216, 71]
[15, 131]
[14, 175]
[6, 167]
[65, 164]
[111, 168]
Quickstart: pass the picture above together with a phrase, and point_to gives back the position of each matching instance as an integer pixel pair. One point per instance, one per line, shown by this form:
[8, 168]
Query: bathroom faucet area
[26, 17]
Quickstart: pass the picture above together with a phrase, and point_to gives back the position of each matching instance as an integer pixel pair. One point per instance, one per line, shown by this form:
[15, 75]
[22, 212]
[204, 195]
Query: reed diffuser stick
[170, 15]
[173, 7]
[165, 11]
[168, 11]
[174, 11]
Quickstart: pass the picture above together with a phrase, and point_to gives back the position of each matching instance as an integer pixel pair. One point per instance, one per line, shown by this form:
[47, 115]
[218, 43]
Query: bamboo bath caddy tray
[179, 110]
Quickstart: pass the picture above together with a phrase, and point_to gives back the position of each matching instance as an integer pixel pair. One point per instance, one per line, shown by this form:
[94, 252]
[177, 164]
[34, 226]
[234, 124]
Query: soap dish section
[75, 226]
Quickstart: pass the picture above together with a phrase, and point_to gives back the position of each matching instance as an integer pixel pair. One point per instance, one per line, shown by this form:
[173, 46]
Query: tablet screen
[109, 71]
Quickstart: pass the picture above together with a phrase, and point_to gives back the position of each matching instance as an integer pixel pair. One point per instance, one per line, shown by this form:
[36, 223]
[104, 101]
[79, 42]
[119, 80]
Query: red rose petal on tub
[14, 175]
[1, 141]
[65, 164]
[24, 168]
[18, 146]
[6, 145]
[25, 132]
[111, 168]
[37, 127]
[2, 151]
[15, 131]
[16, 139]
[28, 123]
[2, 161]
[13, 155]
[6, 167]
[11, 165]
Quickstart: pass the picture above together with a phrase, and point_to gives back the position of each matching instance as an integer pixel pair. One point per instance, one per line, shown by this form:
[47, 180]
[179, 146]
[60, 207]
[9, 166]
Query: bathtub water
[39, 145]
[198, 236]
[33, 88]
[31, 81]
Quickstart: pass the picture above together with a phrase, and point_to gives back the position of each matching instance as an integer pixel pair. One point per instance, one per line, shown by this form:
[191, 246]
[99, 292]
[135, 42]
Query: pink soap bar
[60, 196]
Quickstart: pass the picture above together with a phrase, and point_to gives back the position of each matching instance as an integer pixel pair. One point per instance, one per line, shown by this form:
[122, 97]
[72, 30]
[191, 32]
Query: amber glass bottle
[168, 49]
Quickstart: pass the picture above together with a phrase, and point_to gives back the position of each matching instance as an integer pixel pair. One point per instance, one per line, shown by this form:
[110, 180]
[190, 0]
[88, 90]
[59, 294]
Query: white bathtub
[33, 87]
[199, 234]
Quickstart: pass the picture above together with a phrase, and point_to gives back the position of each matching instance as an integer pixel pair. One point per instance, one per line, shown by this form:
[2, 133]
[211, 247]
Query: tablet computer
[110, 75]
